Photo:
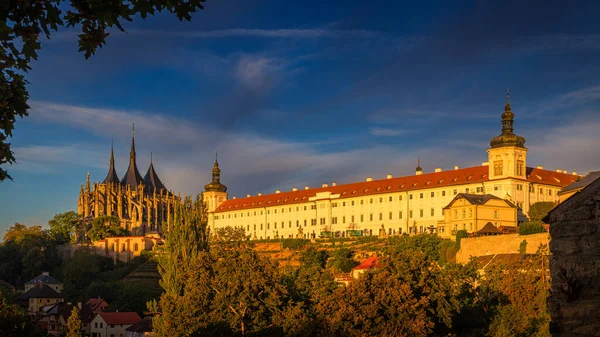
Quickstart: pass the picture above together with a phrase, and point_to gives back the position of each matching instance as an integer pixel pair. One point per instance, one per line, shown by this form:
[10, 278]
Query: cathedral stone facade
[144, 205]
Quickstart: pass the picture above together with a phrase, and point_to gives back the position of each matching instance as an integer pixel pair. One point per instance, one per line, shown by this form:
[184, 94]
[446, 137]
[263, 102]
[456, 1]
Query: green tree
[342, 260]
[406, 295]
[22, 23]
[65, 227]
[14, 322]
[74, 324]
[106, 226]
[461, 234]
[527, 228]
[185, 257]
[314, 257]
[523, 247]
[539, 210]
[81, 270]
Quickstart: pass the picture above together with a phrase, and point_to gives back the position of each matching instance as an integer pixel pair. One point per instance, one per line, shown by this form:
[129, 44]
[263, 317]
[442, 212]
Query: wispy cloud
[184, 150]
[385, 132]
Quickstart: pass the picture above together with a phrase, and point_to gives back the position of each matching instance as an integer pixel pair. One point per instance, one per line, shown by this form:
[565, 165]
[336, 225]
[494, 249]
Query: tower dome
[507, 137]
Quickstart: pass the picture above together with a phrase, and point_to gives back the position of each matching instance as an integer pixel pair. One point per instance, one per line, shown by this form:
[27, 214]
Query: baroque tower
[215, 193]
[507, 155]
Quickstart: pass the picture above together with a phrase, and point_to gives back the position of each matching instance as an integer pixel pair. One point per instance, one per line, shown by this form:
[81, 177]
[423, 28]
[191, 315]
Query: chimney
[438, 169]
[324, 185]
[247, 195]
[369, 178]
[334, 184]
[540, 167]
[259, 194]
[389, 176]
[277, 191]
[456, 167]
[306, 188]
[294, 189]
[485, 163]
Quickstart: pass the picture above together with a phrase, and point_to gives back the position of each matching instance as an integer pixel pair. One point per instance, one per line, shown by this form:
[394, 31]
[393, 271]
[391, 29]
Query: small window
[420, 195]
[432, 194]
[433, 212]
[443, 195]
[421, 213]
[410, 196]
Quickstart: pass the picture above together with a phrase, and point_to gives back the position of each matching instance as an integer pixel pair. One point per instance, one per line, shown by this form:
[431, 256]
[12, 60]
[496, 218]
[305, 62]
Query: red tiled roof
[468, 175]
[120, 317]
[94, 303]
[368, 263]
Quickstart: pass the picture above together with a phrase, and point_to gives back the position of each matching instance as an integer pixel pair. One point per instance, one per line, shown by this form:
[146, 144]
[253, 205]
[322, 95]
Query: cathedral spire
[87, 182]
[111, 176]
[132, 177]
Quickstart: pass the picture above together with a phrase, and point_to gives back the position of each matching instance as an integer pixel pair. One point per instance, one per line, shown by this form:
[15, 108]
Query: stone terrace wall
[499, 244]
[575, 264]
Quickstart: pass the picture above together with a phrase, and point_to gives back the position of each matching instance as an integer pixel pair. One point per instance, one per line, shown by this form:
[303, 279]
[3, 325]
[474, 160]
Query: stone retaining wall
[499, 244]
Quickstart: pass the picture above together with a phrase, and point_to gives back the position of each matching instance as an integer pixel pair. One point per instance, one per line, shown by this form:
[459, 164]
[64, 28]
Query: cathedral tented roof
[132, 177]
[477, 174]
[152, 180]
[111, 177]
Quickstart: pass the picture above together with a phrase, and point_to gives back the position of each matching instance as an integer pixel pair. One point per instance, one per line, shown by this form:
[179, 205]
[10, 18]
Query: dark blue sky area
[302, 93]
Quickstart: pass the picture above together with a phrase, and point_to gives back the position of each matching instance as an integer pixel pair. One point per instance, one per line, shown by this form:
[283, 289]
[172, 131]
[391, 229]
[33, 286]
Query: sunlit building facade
[143, 205]
[409, 204]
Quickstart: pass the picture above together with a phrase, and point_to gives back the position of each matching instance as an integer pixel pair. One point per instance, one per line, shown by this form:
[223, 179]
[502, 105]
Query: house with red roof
[113, 324]
[366, 265]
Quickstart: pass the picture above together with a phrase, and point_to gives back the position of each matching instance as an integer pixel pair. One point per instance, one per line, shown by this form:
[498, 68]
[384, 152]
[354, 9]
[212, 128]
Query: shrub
[294, 244]
[460, 235]
[527, 228]
[523, 247]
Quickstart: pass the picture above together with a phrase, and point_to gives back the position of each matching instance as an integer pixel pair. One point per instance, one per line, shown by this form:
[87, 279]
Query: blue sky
[296, 93]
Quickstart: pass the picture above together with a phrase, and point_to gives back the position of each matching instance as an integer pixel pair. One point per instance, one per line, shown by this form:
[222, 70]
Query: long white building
[406, 204]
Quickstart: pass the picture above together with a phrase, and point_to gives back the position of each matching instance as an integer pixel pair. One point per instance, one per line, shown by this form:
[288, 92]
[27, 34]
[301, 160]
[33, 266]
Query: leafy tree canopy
[106, 226]
[539, 210]
[64, 227]
[74, 324]
[23, 22]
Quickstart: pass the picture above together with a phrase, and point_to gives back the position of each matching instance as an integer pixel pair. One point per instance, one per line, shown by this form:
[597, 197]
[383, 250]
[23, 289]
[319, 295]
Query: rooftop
[40, 292]
[368, 263]
[44, 278]
[477, 174]
[120, 317]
